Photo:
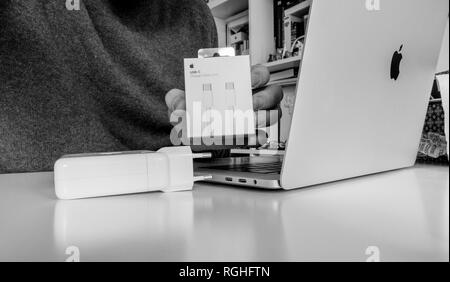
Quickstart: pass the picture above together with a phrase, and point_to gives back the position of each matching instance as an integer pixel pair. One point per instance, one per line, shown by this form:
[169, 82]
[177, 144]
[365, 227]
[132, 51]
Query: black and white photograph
[224, 137]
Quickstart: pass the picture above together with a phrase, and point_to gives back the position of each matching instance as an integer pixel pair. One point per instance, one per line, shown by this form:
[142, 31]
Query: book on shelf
[305, 21]
[290, 24]
[278, 16]
[279, 19]
[284, 82]
[294, 28]
[285, 74]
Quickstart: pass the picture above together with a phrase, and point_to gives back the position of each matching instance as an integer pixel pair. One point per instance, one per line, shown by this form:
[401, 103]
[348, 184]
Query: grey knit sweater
[92, 80]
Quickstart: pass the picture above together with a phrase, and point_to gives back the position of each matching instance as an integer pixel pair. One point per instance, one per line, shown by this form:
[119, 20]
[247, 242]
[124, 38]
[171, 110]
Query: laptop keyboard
[262, 168]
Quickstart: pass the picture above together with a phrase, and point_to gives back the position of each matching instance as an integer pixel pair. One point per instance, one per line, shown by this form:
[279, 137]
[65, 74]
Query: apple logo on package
[395, 64]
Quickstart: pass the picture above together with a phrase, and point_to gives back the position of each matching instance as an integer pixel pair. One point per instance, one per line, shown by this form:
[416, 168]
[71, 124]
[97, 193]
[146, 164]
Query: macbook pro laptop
[362, 94]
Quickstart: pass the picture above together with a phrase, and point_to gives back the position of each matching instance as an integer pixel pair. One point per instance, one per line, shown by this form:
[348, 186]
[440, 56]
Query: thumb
[175, 100]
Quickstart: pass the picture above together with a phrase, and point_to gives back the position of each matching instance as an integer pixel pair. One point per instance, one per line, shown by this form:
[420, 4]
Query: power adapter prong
[202, 156]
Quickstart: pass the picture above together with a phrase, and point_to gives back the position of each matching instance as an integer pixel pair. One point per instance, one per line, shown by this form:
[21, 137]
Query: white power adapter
[107, 174]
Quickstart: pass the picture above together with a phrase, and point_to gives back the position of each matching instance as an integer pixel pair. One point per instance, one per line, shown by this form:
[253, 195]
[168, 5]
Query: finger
[177, 117]
[259, 139]
[268, 99]
[176, 100]
[260, 76]
[178, 135]
[265, 119]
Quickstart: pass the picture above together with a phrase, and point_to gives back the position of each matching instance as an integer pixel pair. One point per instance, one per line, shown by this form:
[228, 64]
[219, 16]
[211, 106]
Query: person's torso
[91, 80]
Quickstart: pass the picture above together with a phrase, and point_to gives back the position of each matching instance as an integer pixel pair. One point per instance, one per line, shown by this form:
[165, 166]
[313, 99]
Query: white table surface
[405, 214]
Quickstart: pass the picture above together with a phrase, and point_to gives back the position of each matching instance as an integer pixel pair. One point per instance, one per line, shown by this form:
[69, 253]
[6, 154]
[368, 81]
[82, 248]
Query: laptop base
[256, 172]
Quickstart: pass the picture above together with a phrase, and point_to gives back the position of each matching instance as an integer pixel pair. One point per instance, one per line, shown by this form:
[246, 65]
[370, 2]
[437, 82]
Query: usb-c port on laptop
[242, 180]
[229, 179]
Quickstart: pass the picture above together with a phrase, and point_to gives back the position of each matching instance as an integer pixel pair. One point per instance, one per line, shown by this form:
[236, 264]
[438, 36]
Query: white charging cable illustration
[208, 101]
[231, 101]
[231, 96]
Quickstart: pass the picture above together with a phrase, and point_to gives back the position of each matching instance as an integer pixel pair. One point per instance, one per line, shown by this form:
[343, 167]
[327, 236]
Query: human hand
[266, 100]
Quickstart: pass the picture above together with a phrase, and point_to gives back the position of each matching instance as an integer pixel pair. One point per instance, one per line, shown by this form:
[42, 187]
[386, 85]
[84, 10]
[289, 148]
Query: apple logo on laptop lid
[395, 63]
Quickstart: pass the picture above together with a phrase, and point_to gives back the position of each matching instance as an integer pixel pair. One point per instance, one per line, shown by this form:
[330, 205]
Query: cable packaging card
[219, 97]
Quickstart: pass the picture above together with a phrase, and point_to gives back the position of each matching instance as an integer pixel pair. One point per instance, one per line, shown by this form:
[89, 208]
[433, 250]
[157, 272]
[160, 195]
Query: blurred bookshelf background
[272, 33]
